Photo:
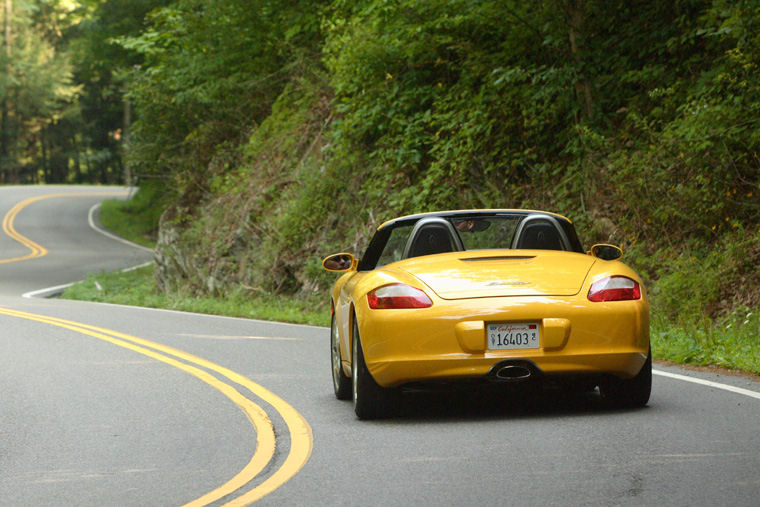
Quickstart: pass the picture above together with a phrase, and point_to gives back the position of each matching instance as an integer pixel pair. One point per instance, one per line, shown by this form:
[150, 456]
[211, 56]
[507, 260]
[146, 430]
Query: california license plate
[513, 335]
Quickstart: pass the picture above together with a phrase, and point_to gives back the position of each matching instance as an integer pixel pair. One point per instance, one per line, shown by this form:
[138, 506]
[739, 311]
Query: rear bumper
[396, 373]
[448, 340]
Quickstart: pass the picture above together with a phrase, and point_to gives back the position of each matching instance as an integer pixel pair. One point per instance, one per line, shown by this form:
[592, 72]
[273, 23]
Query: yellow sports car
[486, 295]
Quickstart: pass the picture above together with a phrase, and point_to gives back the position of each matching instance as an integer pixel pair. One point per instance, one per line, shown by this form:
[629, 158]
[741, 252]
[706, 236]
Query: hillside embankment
[641, 124]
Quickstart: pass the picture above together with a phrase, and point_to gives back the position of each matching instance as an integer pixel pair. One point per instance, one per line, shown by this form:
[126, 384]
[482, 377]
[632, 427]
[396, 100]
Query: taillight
[396, 296]
[614, 288]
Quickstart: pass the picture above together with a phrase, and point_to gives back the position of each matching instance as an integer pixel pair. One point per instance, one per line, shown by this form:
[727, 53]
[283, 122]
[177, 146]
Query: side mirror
[339, 263]
[606, 252]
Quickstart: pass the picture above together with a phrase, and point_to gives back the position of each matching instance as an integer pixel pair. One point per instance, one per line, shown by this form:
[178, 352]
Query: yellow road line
[301, 434]
[36, 249]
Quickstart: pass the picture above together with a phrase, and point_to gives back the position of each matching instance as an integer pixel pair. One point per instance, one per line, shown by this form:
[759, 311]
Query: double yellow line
[301, 438]
[36, 249]
[300, 432]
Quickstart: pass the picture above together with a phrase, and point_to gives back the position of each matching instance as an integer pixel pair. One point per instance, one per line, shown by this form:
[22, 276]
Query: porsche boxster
[486, 296]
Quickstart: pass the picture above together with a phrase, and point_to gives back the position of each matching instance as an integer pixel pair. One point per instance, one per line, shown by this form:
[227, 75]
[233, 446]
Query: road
[111, 405]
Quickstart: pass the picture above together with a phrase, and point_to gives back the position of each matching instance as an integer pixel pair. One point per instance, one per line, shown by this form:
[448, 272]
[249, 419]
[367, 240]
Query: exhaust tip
[513, 371]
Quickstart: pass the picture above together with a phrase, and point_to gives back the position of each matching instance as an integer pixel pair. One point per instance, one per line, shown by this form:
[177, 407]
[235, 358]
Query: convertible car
[486, 296]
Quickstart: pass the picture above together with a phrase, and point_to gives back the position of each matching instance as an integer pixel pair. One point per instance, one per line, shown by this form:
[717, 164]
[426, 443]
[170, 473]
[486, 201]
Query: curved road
[109, 405]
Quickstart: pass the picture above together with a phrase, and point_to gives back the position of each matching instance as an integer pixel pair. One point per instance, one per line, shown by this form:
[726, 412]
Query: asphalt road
[109, 405]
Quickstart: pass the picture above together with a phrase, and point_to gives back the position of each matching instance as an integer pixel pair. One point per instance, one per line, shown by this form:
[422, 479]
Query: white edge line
[47, 291]
[91, 221]
[708, 383]
[50, 291]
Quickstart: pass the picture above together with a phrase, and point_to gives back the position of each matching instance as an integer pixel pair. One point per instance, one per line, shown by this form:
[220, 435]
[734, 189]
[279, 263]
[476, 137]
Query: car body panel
[489, 273]
[471, 288]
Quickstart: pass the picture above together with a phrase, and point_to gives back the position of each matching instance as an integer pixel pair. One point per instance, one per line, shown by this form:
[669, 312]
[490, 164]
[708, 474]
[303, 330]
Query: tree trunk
[8, 13]
[4, 116]
[77, 159]
[43, 151]
[577, 16]
[125, 140]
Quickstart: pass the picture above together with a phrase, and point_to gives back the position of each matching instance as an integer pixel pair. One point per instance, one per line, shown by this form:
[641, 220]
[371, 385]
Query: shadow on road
[498, 402]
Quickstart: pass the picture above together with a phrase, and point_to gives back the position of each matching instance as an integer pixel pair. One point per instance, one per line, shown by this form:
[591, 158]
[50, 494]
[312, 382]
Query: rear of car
[486, 295]
[497, 309]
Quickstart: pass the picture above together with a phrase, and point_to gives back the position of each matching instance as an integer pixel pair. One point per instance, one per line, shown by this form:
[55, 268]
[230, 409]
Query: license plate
[513, 335]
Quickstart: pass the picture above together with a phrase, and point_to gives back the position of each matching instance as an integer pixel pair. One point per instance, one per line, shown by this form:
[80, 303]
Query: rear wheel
[341, 381]
[629, 392]
[371, 401]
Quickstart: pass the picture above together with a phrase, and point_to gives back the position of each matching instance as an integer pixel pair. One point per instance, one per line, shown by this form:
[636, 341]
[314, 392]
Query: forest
[266, 134]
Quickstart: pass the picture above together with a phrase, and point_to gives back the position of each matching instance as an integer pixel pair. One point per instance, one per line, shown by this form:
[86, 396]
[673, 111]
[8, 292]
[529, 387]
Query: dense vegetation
[63, 117]
[273, 133]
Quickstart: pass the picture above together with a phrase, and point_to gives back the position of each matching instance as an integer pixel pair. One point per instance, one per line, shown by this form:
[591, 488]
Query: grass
[138, 288]
[135, 220]
[732, 342]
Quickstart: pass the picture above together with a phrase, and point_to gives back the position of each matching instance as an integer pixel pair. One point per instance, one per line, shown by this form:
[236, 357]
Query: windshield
[479, 233]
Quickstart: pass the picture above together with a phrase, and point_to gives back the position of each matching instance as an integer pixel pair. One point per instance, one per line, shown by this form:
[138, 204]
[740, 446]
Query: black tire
[629, 393]
[371, 401]
[341, 381]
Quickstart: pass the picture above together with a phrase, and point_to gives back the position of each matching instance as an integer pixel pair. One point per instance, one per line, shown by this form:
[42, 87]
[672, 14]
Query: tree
[101, 67]
[37, 94]
[211, 71]
[4, 114]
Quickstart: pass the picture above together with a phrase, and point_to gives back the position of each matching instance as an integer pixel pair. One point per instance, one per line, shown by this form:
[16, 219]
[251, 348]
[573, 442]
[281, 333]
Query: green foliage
[424, 89]
[252, 235]
[136, 218]
[466, 103]
[38, 102]
[62, 118]
[100, 67]
[732, 341]
[713, 279]
[644, 137]
[212, 70]
[280, 132]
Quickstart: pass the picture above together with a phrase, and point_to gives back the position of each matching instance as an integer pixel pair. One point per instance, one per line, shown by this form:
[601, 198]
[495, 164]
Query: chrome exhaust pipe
[513, 373]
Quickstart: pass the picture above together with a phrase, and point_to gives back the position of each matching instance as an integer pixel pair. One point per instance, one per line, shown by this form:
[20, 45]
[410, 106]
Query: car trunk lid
[494, 273]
